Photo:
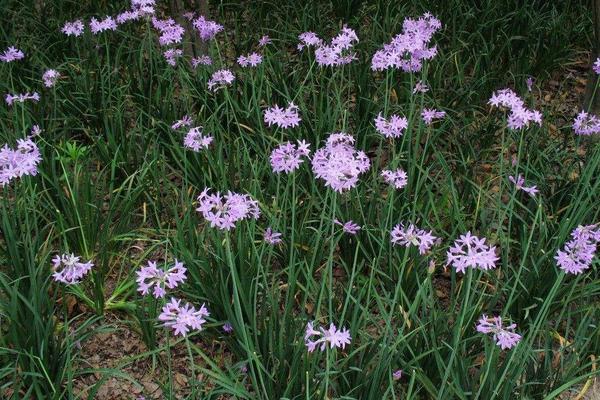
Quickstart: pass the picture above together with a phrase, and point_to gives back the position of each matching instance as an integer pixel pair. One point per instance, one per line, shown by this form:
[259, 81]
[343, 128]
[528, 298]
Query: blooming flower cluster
[349, 227]
[408, 49]
[68, 269]
[201, 60]
[596, 66]
[287, 157]
[420, 87]
[185, 121]
[250, 60]
[412, 236]
[392, 127]
[220, 78]
[182, 317]
[308, 39]
[339, 163]
[578, 253]
[283, 118]
[586, 124]
[505, 337]
[11, 54]
[170, 31]
[171, 56]
[333, 336]
[151, 277]
[471, 251]
[207, 29]
[519, 116]
[50, 77]
[22, 97]
[99, 26]
[519, 183]
[19, 162]
[264, 40]
[224, 211]
[272, 237]
[339, 51]
[398, 178]
[195, 140]
[74, 28]
[430, 114]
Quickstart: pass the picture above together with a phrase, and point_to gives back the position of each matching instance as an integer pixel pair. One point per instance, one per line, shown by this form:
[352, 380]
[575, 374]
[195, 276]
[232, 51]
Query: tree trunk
[591, 100]
[193, 45]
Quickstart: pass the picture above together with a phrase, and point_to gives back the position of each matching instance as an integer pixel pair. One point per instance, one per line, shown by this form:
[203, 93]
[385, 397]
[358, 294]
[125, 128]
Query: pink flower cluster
[412, 236]
[99, 26]
[596, 66]
[283, 118]
[196, 140]
[469, 251]
[339, 163]
[339, 51]
[224, 211]
[408, 49]
[68, 269]
[431, 114]
[250, 60]
[578, 253]
[170, 31]
[171, 56]
[397, 178]
[333, 336]
[586, 124]
[11, 54]
[201, 60]
[519, 116]
[22, 97]
[74, 28]
[349, 227]
[206, 28]
[505, 337]
[272, 237]
[287, 157]
[50, 77]
[19, 162]
[519, 183]
[392, 127]
[220, 78]
[151, 277]
[182, 317]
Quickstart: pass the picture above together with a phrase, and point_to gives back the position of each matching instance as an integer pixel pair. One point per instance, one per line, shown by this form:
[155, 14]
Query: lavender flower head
[287, 157]
[19, 162]
[408, 49]
[264, 40]
[227, 327]
[201, 60]
[519, 183]
[74, 28]
[420, 87]
[170, 31]
[11, 54]
[50, 77]
[397, 375]
[224, 211]
[431, 114]
[332, 336]
[338, 52]
[338, 163]
[21, 98]
[349, 227]
[471, 251]
[392, 127]
[578, 253]
[519, 116]
[207, 29]
[529, 83]
[596, 66]
[103, 25]
[143, 7]
[195, 140]
[68, 269]
[182, 317]
[505, 337]
[413, 236]
[185, 121]
[308, 39]
[397, 178]
[220, 78]
[272, 237]
[250, 60]
[282, 118]
[171, 56]
[586, 124]
[157, 279]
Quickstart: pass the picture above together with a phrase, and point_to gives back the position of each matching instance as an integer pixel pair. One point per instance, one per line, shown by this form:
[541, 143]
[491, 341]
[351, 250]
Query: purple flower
[408, 49]
[596, 66]
[283, 118]
[35, 130]
[219, 79]
[19, 162]
[183, 317]
[578, 253]
[11, 54]
[397, 375]
[264, 40]
[21, 98]
[392, 127]
[250, 60]
[519, 183]
[413, 236]
[308, 39]
[172, 55]
[224, 211]
[429, 114]
[529, 83]
[185, 121]
[471, 251]
[339, 163]
[272, 237]
[74, 28]
[519, 116]
[338, 52]
[207, 29]
[227, 328]
[50, 77]
[348, 227]
[335, 337]
[143, 6]
[201, 60]
[420, 87]
[68, 270]
[586, 124]
[398, 178]
[152, 277]
[126, 16]
[195, 140]
[287, 157]
[505, 337]
[170, 31]
[103, 25]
